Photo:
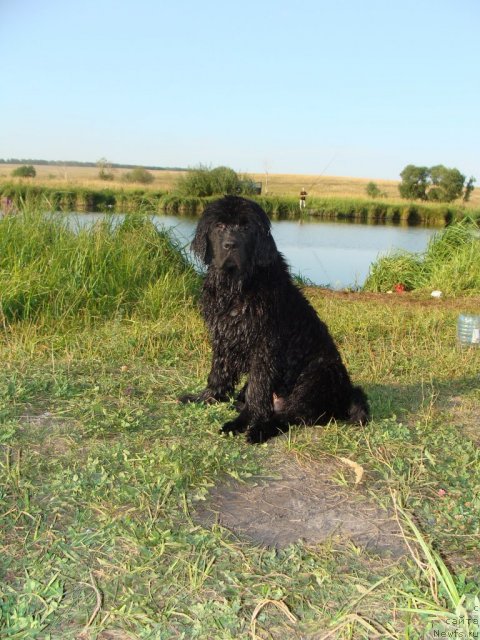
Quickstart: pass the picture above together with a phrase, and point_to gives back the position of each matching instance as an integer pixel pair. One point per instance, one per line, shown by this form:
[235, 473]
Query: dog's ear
[265, 249]
[200, 243]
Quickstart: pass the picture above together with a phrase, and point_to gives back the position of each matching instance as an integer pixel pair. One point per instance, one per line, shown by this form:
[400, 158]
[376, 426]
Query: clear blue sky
[349, 88]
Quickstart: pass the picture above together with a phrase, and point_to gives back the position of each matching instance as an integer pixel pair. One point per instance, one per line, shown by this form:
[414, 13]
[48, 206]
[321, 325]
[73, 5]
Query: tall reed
[49, 271]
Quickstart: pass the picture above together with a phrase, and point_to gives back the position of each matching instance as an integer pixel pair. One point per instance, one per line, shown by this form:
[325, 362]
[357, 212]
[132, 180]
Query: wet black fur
[262, 326]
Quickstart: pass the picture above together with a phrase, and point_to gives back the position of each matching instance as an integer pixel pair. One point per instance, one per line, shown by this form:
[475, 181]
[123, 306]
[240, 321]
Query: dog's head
[234, 236]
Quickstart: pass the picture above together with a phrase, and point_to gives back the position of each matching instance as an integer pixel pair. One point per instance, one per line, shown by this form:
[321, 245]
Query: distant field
[57, 176]
[315, 185]
[273, 184]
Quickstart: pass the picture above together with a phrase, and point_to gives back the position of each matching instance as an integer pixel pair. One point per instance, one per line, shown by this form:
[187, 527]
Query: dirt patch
[50, 434]
[301, 503]
[407, 298]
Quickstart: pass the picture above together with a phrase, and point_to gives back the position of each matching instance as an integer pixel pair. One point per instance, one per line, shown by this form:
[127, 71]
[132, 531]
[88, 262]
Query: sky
[356, 88]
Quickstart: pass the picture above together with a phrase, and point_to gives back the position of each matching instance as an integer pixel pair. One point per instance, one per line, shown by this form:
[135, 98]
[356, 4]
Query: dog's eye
[220, 226]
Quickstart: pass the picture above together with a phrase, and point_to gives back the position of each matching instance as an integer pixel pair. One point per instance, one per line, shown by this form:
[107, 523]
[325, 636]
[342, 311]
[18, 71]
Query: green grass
[100, 468]
[449, 264]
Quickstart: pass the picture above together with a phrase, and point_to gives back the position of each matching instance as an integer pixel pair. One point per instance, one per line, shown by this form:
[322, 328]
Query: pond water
[337, 254]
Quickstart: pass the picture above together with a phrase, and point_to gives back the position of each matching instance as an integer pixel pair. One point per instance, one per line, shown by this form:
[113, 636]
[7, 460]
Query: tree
[25, 171]
[447, 184]
[372, 190]
[436, 184]
[468, 189]
[105, 167]
[414, 182]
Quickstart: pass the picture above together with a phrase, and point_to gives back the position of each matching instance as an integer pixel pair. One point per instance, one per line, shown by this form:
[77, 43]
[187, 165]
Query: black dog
[261, 325]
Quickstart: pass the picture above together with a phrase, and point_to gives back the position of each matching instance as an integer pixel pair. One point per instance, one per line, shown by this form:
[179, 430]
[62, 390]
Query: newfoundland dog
[261, 326]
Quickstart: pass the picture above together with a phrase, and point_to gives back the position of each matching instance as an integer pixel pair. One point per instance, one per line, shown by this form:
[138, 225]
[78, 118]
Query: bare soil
[404, 299]
[303, 503]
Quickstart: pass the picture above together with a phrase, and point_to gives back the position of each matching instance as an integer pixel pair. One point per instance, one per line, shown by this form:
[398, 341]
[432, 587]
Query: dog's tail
[359, 410]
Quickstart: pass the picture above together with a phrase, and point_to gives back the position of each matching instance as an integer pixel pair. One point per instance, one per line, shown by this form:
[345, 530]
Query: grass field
[273, 184]
[101, 470]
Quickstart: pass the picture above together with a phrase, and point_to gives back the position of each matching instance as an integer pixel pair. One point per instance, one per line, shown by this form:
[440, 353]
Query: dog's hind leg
[324, 391]
[359, 410]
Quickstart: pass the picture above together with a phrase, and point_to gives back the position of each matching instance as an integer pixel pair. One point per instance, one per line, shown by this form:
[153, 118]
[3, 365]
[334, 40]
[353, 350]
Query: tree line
[77, 163]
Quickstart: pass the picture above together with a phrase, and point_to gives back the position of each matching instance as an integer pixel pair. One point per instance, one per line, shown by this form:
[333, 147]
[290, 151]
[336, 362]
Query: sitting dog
[262, 326]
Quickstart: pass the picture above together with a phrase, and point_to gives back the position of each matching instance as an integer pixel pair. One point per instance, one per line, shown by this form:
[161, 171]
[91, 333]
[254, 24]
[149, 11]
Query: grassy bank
[364, 210]
[278, 207]
[449, 264]
[44, 198]
[101, 470]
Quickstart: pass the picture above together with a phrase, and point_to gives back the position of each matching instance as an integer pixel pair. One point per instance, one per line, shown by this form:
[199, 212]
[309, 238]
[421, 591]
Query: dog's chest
[238, 310]
[237, 315]
[237, 320]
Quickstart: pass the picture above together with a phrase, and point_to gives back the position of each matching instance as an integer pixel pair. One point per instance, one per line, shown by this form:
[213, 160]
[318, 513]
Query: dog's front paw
[233, 426]
[206, 396]
[261, 432]
[188, 397]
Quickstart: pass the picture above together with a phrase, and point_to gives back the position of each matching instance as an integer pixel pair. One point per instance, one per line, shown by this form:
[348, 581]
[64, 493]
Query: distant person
[303, 197]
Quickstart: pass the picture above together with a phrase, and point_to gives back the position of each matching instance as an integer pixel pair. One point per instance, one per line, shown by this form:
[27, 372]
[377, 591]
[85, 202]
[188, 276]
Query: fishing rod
[314, 184]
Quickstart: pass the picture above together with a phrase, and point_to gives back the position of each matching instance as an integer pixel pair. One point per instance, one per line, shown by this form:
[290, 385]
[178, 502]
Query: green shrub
[202, 182]
[139, 174]
[372, 190]
[25, 171]
[105, 175]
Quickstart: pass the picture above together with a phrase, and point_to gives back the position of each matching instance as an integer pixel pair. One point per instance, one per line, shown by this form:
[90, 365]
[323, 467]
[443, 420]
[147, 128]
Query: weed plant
[451, 264]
